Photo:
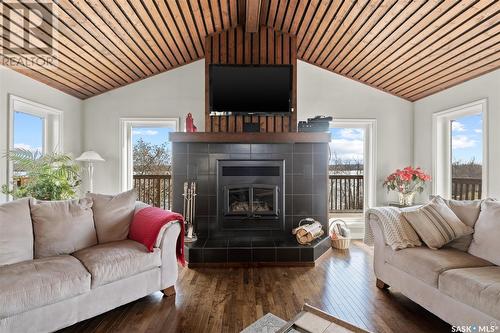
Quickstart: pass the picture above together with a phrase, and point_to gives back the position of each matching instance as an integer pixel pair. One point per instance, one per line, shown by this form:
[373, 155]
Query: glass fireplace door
[251, 200]
[238, 200]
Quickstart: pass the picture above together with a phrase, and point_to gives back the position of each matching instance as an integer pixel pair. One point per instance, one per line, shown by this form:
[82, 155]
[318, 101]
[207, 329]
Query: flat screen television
[250, 88]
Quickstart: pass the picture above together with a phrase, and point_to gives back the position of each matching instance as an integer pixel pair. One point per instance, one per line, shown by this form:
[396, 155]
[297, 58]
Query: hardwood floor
[229, 299]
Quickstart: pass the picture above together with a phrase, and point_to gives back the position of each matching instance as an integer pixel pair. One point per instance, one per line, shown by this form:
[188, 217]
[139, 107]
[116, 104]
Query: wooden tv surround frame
[264, 47]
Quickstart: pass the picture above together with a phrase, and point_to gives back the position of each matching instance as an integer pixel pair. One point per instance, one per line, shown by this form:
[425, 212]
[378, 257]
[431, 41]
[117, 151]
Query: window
[33, 127]
[460, 148]
[352, 169]
[146, 158]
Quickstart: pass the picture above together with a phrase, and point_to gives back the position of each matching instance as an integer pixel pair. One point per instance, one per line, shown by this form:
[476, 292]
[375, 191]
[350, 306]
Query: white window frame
[441, 145]
[369, 155]
[52, 125]
[126, 160]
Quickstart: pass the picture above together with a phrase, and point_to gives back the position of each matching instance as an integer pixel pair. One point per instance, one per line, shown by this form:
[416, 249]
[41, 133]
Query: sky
[347, 143]
[467, 138]
[154, 135]
[28, 131]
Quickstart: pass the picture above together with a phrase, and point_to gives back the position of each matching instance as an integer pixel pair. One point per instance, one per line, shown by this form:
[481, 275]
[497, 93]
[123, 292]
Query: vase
[406, 199]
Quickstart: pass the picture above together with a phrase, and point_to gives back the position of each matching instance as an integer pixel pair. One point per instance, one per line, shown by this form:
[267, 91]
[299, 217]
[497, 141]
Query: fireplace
[250, 194]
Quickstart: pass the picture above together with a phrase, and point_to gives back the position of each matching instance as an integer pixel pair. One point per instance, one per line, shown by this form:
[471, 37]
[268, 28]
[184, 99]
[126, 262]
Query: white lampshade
[90, 156]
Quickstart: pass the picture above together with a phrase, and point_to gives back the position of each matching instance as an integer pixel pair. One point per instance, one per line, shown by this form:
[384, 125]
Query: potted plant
[51, 176]
[407, 183]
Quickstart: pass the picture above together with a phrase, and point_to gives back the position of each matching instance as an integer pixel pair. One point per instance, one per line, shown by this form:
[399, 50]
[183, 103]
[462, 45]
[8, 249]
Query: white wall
[486, 86]
[20, 85]
[171, 94]
[320, 92]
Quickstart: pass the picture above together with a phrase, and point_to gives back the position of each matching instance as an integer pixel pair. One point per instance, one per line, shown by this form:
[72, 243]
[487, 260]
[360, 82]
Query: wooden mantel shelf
[218, 137]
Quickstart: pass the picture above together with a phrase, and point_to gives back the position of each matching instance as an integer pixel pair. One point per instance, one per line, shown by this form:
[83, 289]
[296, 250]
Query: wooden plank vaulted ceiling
[408, 48]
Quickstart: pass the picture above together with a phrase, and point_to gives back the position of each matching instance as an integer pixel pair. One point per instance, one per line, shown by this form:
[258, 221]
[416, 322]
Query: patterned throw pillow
[436, 224]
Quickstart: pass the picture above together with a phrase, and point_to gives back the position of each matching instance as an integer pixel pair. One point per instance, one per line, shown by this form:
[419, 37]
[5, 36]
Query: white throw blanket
[398, 233]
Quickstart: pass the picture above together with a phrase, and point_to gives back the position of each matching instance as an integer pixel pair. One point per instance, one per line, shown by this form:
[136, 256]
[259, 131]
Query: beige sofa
[52, 292]
[460, 288]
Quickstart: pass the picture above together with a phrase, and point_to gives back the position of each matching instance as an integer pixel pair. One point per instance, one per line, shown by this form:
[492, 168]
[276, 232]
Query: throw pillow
[62, 227]
[436, 224]
[486, 241]
[16, 232]
[113, 215]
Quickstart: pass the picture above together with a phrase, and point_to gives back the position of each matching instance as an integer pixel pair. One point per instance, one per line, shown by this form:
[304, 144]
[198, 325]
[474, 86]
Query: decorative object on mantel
[316, 124]
[190, 127]
[306, 233]
[340, 234]
[407, 183]
[90, 157]
[189, 211]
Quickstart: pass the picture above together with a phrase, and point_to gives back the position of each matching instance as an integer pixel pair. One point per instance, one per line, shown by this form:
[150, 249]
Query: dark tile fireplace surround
[251, 195]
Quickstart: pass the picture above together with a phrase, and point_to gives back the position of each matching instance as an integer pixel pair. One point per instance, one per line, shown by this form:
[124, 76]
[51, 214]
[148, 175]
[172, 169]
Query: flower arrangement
[407, 183]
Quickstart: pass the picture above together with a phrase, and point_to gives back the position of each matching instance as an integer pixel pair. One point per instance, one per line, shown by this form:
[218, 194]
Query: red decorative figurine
[190, 127]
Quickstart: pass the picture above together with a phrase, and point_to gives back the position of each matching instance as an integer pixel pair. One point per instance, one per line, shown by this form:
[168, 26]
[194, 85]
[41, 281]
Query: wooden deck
[228, 300]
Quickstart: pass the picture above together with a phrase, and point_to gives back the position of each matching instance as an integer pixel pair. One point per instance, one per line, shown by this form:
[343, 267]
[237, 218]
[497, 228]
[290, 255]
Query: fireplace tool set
[189, 210]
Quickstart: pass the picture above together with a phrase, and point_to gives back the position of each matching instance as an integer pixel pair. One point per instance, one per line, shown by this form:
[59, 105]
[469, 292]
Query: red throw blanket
[147, 224]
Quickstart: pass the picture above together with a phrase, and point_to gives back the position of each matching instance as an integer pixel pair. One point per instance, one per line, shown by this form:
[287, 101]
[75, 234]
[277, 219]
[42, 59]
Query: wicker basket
[341, 242]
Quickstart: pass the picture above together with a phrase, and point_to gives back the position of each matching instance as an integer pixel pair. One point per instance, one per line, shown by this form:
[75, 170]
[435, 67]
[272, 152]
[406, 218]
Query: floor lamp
[90, 157]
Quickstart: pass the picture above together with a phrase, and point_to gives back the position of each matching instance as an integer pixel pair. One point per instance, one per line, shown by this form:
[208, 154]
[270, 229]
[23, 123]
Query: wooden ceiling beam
[252, 20]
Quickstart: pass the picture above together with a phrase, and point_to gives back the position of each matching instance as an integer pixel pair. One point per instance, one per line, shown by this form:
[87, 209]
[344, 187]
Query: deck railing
[346, 193]
[466, 188]
[155, 190]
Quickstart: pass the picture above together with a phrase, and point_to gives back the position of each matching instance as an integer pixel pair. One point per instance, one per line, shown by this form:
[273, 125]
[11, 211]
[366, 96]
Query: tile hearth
[305, 175]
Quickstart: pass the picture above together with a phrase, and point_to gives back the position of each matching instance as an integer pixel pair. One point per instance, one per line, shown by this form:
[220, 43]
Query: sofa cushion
[113, 215]
[34, 283]
[62, 227]
[426, 264]
[468, 212]
[16, 232]
[486, 241]
[436, 224]
[117, 260]
[477, 287]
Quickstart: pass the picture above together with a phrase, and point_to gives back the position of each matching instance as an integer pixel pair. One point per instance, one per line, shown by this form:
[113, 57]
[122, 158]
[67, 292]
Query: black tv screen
[250, 88]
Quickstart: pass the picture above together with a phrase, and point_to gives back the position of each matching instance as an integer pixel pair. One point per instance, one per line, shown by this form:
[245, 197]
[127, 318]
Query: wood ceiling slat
[48, 80]
[181, 11]
[290, 14]
[67, 55]
[455, 78]
[233, 8]
[154, 21]
[273, 11]
[416, 34]
[485, 56]
[95, 26]
[109, 25]
[314, 24]
[280, 15]
[207, 16]
[224, 12]
[442, 37]
[176, 26]
[198, 18]
[356, 33]
[326, 29]
[300, 16]
[216, 16]
[133, 25]
[409, 48]
[409, 15]
[469, 40]
[76, 32]
[325, 46]
[62, 69]
[440, 28]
